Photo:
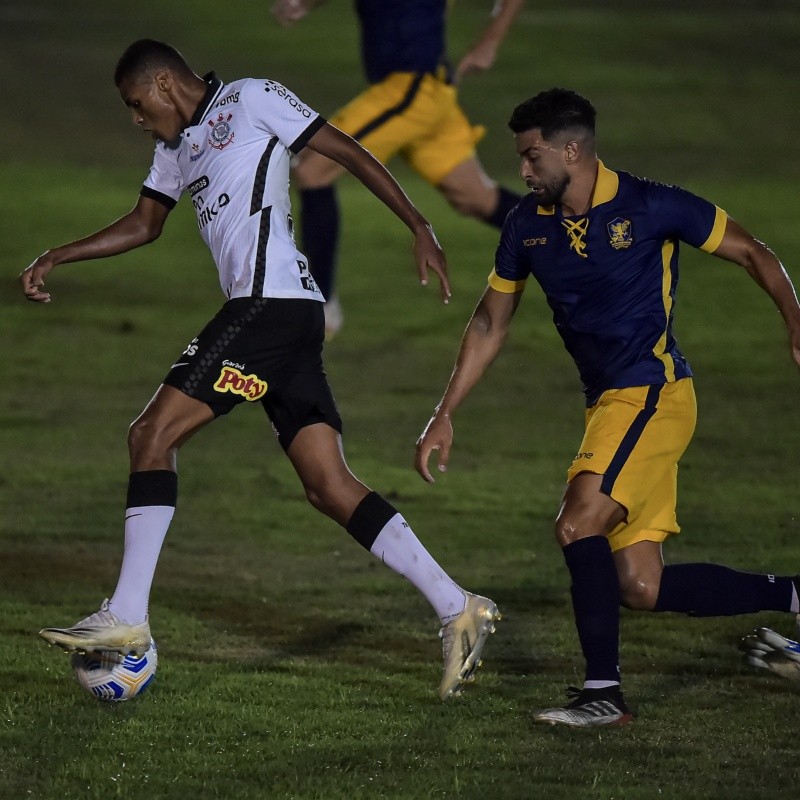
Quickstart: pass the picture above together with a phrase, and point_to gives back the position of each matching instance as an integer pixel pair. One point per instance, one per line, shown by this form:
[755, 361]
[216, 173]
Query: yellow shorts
[417, 116]
[634, 438]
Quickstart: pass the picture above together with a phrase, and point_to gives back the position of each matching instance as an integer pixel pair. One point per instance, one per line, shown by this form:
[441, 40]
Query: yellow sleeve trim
[717, 232]
[504, 285]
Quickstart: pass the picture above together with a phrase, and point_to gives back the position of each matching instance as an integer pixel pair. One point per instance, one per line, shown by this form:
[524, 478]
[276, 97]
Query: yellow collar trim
[606, 185]
[605, 188]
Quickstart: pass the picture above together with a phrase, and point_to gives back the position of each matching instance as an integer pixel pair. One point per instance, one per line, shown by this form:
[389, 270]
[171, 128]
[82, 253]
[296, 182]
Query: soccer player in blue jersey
[603, 245]
[411, 109]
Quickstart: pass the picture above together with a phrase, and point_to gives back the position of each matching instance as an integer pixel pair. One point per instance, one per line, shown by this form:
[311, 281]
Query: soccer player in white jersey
[228, 146]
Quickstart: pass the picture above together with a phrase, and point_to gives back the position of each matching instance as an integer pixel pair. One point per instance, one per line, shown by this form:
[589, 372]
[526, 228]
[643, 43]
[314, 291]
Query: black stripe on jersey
[302, 140]
[257, 199]
[407, 100]
[629, 440]
[260, 272]
[159, 197]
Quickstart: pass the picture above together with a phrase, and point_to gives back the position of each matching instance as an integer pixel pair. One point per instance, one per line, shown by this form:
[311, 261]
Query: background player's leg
[169, 420]
[314, 176]
[471, 192]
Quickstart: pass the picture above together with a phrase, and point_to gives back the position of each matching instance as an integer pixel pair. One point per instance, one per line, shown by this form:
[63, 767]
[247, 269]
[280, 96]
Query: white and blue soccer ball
[114, 677]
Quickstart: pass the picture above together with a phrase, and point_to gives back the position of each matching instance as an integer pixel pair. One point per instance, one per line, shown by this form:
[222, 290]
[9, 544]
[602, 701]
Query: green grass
[292, 664]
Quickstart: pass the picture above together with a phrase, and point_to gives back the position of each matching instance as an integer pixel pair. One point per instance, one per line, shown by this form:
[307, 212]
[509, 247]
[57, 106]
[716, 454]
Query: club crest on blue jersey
[620, 233]
[221, 132]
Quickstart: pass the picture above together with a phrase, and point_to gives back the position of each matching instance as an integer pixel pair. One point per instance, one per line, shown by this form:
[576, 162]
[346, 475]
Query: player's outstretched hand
[32, 279]
[479, 59]
[429, 255]
[438, 435]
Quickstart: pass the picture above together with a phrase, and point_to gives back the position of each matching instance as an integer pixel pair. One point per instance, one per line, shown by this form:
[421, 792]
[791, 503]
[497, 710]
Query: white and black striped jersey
[233, 160]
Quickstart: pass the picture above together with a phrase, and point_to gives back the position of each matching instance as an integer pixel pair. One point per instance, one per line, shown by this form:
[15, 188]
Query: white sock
[145, 529]
[398, 548]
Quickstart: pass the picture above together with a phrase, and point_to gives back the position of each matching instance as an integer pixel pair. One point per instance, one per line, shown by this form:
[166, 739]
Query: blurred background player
[410, 108]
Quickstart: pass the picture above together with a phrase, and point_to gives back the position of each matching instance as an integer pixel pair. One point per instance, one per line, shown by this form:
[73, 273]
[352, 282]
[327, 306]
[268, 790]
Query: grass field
[292, 664]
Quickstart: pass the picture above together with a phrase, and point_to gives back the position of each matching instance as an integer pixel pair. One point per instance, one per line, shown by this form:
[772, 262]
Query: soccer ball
[112, 676]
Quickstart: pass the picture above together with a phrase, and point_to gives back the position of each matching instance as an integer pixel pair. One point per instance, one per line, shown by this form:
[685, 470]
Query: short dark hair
[146, 56]
[553, 111]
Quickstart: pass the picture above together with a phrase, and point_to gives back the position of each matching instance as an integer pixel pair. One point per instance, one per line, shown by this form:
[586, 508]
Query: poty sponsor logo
[282, 91]
[197, 186]
[247, 386]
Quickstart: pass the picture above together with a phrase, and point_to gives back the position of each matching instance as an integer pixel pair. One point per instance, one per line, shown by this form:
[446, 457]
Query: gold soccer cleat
[462, 642]
[101, 631]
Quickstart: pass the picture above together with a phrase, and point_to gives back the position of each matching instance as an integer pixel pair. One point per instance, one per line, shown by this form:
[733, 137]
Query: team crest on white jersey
[620, 233]
[221, 131]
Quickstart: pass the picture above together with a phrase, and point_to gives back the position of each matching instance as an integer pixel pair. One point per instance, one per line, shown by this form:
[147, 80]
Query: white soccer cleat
[462, 642]
[766, 649]
[101, 631]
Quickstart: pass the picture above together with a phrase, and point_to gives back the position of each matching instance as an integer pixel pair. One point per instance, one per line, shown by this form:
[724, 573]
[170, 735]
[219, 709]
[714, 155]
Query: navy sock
[506, 200]
[595, 603]
[712, 590]
[319, 224]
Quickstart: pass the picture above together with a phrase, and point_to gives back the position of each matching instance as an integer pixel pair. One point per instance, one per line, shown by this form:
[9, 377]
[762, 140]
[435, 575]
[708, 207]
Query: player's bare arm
[343, 149]
[767, 271]
[483, 53]
[141, 225]
[482, 341]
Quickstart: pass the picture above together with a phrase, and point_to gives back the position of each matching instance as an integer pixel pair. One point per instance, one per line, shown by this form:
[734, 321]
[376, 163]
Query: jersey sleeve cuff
[717, 231]
[302, 140]
[504, 285]
[159, 197]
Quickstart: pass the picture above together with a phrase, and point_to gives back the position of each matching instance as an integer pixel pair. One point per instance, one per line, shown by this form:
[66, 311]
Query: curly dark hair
[554, 111]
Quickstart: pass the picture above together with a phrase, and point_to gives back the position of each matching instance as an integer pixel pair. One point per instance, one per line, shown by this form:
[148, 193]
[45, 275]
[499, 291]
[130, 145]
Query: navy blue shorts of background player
[261, 349]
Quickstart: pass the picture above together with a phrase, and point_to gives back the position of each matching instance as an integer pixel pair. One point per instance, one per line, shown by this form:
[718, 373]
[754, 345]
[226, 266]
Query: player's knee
[313, 173]
[470, 204]
[638, 594]
[476, 201]
[570, 529]
[145, 436]
[322, 495]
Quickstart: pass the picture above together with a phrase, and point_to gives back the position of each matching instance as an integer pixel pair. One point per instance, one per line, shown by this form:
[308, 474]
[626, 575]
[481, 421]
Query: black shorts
[266, 349]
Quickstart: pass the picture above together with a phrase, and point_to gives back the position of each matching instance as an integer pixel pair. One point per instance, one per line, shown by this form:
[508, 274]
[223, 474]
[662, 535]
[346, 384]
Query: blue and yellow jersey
[610, 276]
[401, 36]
